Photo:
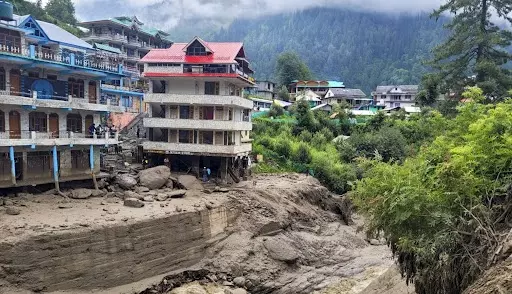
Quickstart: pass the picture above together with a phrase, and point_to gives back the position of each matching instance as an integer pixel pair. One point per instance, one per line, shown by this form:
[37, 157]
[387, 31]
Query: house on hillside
[395, 96]
[310, 96]
[318, 87]
[265, 90]
[197, 114]
[354, 97]
[49, 102]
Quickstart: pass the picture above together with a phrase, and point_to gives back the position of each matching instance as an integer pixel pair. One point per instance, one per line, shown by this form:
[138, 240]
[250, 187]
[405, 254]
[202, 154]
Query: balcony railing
[47, 134]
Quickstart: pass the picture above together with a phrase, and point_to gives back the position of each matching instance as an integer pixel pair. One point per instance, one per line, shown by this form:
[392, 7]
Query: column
[91, 158]
[86, 90]
[13, 165]
[7, 80]
[55, 165]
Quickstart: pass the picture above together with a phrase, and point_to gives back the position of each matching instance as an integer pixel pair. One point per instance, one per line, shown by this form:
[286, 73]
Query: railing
[134, 43]
[33, 135]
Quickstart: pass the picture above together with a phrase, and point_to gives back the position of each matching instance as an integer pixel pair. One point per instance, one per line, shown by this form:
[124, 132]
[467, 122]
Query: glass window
[38, 122]
[74, 123]
[206, 137]
[184, 112]
[196, 49]
[185, 136]
[76, 88]
[211, 88]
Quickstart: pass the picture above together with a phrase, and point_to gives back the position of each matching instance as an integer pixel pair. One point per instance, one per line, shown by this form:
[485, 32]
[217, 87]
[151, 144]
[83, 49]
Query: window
[408, 97]
[268, 86]
[397, 104]
[196, 49]
[51, 77]
[2, 78]
[74, 123]
[80, 159]
[39, 162]
[185, 136]
[33, 26]
[206, 113]
[5, 164]
[185, 112]
[206, 137]
[211, 88]
[76, 88]
[2, 121]
[383, 97]
[33, 74]
[38, 122]
[127, 101]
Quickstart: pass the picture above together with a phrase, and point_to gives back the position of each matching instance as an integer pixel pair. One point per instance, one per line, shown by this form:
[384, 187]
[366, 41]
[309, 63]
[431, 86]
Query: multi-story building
[264, 89]
[395, 96]
[198, 116]
[318, 87]
[354, 97]
[126, 36]
[49, 98]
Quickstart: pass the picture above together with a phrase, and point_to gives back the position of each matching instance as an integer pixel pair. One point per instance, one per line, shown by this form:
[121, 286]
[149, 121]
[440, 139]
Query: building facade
[354, 97]
[265, 90]
[395, 96]
[128, 37]
[49, 97]
[198, 116]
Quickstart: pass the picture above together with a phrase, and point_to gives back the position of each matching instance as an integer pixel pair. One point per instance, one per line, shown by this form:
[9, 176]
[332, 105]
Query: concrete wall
[212, 100]
[200, 149]
[197, 124]
[112, 255]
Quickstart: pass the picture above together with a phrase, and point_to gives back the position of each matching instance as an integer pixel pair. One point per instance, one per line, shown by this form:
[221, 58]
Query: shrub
[283, 147]
[318, 140]
[388, 142]
[276, 110]
[305, 136]
[302, 154]
[336, 176]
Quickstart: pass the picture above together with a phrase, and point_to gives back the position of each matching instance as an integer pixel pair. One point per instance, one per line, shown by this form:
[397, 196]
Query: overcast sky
[166, 13]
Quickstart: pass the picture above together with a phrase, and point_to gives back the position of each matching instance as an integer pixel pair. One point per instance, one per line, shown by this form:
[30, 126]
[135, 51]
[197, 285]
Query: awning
[107, 48]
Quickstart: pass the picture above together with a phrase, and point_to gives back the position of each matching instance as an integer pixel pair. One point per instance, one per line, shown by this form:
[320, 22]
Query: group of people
[207, 173]
[100, 130]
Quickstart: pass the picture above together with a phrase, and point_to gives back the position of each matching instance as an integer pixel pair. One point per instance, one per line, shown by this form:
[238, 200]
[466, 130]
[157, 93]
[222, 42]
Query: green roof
[127, 21]
[336, 84]
[107, 48]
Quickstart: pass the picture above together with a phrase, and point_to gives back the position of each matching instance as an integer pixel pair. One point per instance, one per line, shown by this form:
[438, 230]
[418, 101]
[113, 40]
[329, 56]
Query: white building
[354, 97]
[395, 96]
[198, 116]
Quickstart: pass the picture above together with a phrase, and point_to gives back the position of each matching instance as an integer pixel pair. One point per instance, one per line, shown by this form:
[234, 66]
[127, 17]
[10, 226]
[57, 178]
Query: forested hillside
[361, 49]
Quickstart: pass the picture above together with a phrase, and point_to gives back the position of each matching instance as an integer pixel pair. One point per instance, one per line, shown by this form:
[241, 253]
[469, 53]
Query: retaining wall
[114, 255]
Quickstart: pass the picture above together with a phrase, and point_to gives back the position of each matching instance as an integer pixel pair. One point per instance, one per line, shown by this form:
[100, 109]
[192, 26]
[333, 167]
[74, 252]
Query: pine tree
[475, 52]
[290, 67]
[62, 10]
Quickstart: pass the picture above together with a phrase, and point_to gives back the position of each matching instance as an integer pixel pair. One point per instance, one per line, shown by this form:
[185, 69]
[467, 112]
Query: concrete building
[198, 116]
[354, 97]
[395, 96]
[318, 87]
[49, 97]
[128, 37]
[264, 90]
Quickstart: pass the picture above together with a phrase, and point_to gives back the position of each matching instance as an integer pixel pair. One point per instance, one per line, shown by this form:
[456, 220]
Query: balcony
[133, 43]
[133, 58]
[106, 37]
[197, 99]
[32, 101]
[28, 138]
[51, 59]
[213, 125]
[197, 149]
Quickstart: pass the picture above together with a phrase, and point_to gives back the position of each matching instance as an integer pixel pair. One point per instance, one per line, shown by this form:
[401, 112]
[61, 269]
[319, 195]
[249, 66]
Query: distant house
[395, 96]
[310, 96]
[318, 87]
[354, 97]
[325, 107]
[266, 89]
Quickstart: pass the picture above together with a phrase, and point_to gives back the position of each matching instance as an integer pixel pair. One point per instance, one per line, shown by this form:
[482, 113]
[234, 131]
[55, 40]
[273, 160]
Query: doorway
[54, 125]
[88, 122]
[92, 92]
[14, 125]
[15, 82]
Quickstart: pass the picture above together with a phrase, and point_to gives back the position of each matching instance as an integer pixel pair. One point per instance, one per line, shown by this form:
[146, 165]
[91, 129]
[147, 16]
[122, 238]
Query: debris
[162, 205]
[126, 181]
[148, 199]
[133, 202]
[280, 249]
[80, 193]
[161, 197]
[375, 242]
[177, 194]
[169, 184]
[65, 206]
[141, 190]
[155, 177]
[131, 194]
[12, 210]
[239, 281]
[178, 209]
[190, 182]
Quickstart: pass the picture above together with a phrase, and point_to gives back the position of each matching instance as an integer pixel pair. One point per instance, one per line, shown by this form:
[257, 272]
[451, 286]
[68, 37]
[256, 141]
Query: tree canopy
[63, 10]
[475, 52]
[290, 67]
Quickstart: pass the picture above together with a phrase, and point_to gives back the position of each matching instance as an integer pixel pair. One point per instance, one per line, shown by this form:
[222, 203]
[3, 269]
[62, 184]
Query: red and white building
[198, 116]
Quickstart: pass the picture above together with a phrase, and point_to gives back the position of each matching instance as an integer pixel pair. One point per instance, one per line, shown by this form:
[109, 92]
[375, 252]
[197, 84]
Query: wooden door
[54, 125]
[14, 125]
[92, 92]
[15, 82]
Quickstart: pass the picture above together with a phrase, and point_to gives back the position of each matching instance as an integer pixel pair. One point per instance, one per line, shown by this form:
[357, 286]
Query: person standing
[92, 129]
[209, 173]
[138, 132]
[205, 174]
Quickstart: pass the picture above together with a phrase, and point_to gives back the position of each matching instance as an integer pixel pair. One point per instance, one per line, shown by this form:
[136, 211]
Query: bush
[283, 147]
[388, 142]
[305, 136]
[302, 154]
[319, 140]
[276, 110]
[337, 177]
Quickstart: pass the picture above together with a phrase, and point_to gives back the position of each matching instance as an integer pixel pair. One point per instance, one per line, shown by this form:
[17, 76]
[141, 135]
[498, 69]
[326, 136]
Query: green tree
[290, 67]
[283, 94]
[475, 47]
[62, 10]
[429, 92]
[276, 110]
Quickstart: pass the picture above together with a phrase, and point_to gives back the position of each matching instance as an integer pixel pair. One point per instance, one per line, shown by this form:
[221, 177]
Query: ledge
[197, 149]
[214, 125]
[213, 100]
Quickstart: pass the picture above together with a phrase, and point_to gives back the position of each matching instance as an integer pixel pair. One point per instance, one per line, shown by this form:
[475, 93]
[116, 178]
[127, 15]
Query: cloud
[166, 14]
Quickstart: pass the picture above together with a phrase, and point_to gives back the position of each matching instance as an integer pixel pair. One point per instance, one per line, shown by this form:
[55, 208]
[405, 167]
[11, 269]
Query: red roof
[222, 53]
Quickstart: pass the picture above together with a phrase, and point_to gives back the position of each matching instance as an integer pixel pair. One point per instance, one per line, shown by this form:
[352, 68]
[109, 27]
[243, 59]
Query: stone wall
[112, 256]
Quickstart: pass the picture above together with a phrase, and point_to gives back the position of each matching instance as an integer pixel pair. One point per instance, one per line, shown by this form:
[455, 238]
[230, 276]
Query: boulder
[155, 177]
[270, 228]
[11, 210]
[177, 194]
[190, 182]
[169, 184]
[161, 197]
[131, 194]
[80, 193]
[235, 291]
[141, 190]
[148, 199]
[97, 193]
[133, 202]
[280, 249]
[239, 281]
[126, 181]
[102, 184]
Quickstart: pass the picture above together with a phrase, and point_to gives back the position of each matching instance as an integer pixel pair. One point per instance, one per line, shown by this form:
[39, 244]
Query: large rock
[177, 194]
[161, 197]
[141, 190]
[190, 182]
[131, 194]
[155, 177]
[280, 249]
[133, 202]
[12, 210]
[80, 193]
[126, 181]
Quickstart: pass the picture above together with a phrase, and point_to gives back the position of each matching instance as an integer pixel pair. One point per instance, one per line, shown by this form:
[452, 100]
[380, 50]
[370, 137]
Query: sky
[166, 14]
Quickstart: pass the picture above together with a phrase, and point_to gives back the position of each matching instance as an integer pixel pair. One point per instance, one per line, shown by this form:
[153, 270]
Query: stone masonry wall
[112, 256]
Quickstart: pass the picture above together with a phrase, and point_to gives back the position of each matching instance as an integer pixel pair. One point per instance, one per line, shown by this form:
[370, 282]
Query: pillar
[7, 80]
[13, 165]
[55, 167]
[91, 158]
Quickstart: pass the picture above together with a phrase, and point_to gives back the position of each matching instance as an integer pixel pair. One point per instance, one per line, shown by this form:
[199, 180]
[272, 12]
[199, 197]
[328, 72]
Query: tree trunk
[480, 75]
